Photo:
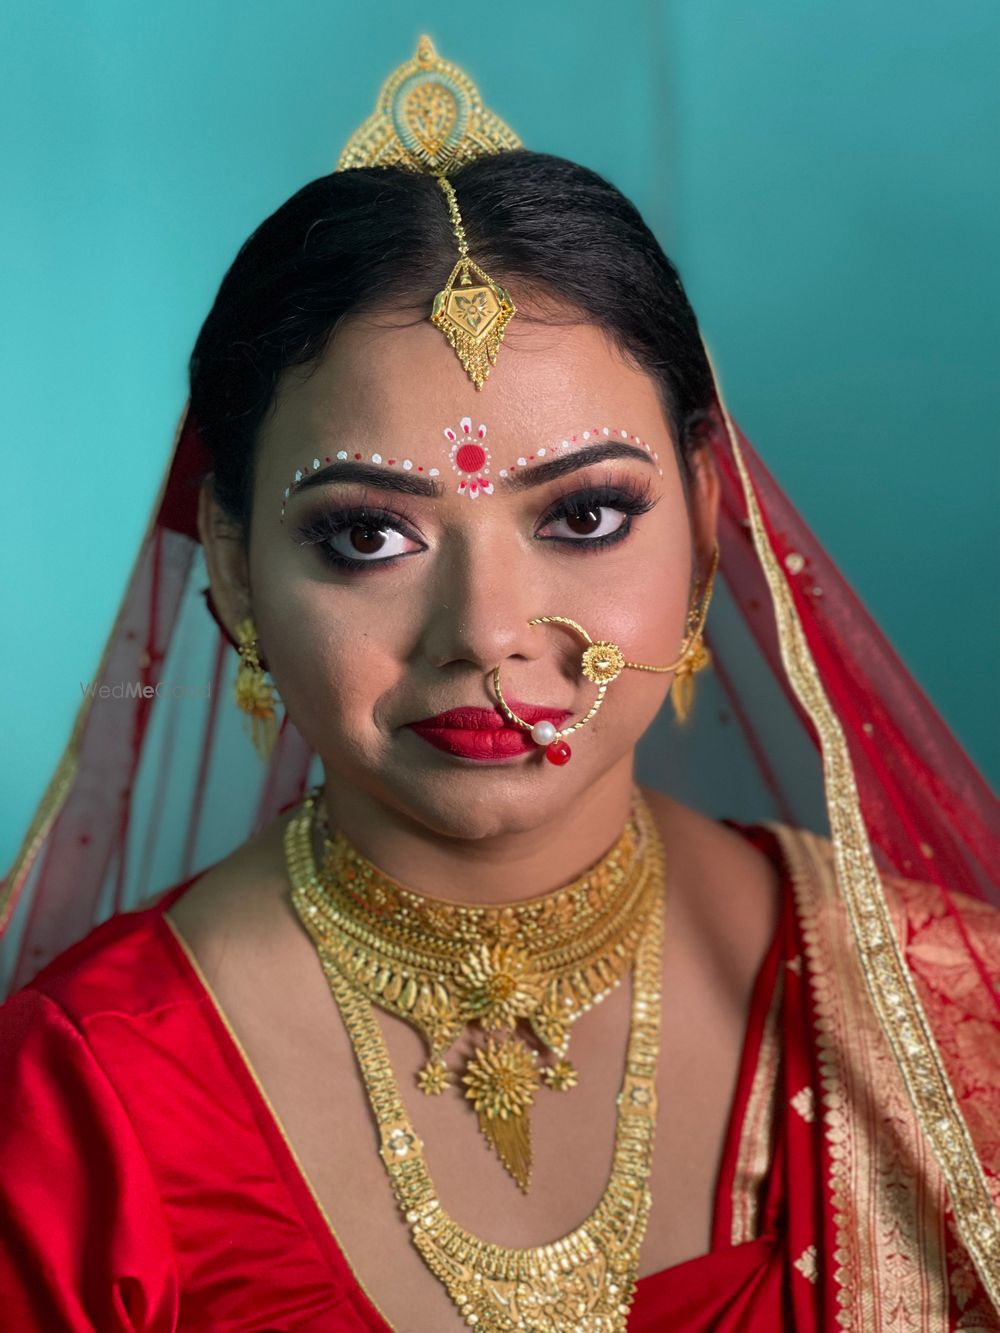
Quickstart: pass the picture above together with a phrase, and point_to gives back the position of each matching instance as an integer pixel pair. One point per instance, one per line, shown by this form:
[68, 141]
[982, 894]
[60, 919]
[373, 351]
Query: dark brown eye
[366, 540]
[584, 522]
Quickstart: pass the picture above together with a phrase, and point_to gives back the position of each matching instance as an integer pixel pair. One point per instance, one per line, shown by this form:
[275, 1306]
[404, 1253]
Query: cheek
[646, 596]
[333, 656]
[645, 608]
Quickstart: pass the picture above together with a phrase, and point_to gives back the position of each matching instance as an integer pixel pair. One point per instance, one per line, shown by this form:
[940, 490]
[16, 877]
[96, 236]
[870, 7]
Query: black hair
[375, 238]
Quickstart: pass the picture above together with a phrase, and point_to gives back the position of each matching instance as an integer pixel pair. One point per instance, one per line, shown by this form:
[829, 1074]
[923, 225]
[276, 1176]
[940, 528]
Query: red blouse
[147, 1185]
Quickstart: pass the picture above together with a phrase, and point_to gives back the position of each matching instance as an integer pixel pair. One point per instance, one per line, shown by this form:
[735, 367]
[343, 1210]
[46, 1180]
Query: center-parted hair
[379, 238]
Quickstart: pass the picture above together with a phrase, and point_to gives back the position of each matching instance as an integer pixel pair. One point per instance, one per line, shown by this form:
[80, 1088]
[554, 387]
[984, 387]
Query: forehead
[379, 374]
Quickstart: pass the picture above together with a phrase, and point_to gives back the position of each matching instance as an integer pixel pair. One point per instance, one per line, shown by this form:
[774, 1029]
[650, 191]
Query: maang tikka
[430, 118]
[603, 662]
[472, 318]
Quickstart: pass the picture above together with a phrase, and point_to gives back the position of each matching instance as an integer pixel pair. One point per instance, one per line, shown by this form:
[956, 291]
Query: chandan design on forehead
[471, 458]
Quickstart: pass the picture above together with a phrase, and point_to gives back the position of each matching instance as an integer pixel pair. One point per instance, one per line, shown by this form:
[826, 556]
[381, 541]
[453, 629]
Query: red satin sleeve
[84, 1243]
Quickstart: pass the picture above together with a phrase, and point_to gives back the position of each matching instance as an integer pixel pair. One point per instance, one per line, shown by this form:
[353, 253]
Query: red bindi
[470, 457]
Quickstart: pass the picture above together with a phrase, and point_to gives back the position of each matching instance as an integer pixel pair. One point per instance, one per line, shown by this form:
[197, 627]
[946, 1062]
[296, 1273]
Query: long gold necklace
[584, 1282]
[540, 963]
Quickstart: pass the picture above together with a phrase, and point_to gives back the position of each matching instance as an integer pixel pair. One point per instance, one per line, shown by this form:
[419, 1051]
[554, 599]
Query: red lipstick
[485, 733]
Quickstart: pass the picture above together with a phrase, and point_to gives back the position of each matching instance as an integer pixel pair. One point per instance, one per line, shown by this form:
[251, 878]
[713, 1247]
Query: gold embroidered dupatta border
[885, 1189]
[887, 977]
[753, 1159]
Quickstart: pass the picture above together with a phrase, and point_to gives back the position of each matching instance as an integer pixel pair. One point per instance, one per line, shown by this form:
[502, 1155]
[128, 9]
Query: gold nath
[430, 118]
[442, 966]
[603, 662]
[584, 1282]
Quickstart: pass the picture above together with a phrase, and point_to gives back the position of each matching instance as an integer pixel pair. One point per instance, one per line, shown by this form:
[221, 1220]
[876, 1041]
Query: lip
[484, 733]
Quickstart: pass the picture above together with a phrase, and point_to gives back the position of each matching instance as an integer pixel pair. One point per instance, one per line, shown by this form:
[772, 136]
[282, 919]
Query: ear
[705, 493]
[224, 543]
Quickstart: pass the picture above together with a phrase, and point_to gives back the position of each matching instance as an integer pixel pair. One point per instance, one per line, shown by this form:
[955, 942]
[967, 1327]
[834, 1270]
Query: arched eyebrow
[539, 474]
[367, 474]
[381, 478]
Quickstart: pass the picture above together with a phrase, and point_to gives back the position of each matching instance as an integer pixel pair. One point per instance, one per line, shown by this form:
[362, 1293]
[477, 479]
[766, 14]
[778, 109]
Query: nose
[481, 600]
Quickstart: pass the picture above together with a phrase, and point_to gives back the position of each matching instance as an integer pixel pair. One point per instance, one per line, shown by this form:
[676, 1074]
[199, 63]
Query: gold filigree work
[540, 963]
[498, 985]
[429, 117]
[584, 1282]
[501, 1080]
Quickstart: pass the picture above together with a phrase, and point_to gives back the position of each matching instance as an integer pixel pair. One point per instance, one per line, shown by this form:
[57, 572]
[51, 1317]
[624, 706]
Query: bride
[479, 1030]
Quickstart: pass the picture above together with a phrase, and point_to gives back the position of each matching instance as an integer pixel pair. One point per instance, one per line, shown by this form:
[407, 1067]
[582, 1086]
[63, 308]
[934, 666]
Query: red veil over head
[808, 717]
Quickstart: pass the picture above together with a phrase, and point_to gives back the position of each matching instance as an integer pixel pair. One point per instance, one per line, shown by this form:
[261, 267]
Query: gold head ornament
[430, 118]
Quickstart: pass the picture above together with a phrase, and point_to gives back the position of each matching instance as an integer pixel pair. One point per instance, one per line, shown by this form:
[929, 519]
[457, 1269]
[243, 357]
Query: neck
[505, 855]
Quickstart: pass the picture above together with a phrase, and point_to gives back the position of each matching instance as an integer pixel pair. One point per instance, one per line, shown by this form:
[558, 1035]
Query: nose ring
[603, 661]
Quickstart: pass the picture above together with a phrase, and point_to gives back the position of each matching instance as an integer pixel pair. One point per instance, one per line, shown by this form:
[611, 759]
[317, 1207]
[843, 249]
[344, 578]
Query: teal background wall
[824, 174]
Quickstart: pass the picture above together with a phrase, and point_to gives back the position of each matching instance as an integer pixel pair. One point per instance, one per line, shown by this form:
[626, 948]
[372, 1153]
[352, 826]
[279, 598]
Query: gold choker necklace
[441, 966]
[584, 1282]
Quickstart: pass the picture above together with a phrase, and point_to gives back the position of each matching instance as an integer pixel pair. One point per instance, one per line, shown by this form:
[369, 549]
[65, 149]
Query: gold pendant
[473, 319]
[517, 976]
[501, 1080]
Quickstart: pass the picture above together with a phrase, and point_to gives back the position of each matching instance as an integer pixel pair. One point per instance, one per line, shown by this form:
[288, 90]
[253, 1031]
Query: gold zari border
[886, 1193]
[887, 977]
[753, 1160]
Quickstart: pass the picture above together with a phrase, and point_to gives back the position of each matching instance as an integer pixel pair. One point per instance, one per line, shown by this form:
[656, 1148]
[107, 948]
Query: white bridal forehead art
[470, 457]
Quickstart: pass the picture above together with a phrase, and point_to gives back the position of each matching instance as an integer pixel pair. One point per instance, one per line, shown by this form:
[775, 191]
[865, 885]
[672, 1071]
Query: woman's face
[392, 579]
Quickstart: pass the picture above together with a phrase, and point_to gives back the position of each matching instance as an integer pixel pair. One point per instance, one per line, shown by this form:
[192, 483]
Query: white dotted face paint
[594, 435]
[470, 458]
[344, 456]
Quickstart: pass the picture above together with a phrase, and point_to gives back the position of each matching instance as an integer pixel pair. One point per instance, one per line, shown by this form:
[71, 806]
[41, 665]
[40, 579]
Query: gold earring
[603, 661]
[695, 656]
[254, 693]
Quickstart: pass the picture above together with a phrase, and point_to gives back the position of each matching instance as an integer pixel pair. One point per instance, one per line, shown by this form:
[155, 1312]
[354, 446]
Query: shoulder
[735, 862]
[952, 943]
[238, 909]
[75, 1181]
[123, 966]
[104, 1018]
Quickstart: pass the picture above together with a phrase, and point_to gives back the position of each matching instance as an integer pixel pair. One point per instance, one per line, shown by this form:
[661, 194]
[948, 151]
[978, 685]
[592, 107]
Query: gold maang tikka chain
[430, 118]
[520, 974]
[473, 318]
[585, 1281]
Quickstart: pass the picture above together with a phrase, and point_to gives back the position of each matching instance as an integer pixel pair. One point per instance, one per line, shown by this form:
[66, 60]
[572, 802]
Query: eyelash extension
[631, 498]
[321, 529]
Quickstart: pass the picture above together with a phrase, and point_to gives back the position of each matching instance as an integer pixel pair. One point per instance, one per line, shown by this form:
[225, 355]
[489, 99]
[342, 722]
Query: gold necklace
[439, 965]
[583, 1283]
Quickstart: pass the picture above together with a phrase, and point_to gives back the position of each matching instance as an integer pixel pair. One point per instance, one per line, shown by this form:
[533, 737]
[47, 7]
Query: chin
[472, 802]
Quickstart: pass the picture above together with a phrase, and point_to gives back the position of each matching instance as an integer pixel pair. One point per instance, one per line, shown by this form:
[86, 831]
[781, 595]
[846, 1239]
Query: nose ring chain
[603, 662]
